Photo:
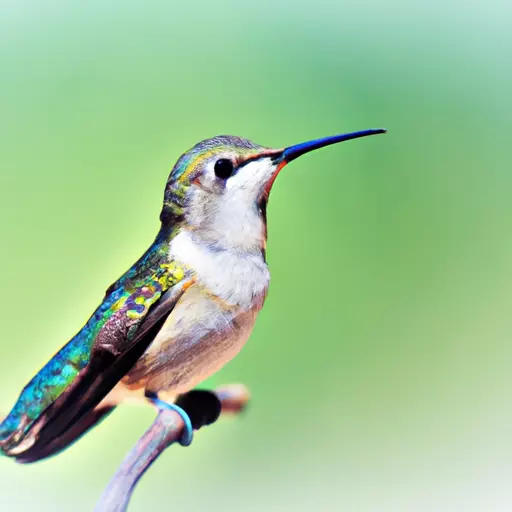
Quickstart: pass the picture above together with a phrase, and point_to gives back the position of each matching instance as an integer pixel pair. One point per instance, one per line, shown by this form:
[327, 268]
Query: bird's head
[219, 189]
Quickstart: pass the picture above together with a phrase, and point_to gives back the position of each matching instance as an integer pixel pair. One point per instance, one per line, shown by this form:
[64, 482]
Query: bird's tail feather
[60, 443]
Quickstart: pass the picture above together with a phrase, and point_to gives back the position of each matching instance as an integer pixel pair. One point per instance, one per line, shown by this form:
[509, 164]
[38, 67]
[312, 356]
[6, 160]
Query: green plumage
[124, 307]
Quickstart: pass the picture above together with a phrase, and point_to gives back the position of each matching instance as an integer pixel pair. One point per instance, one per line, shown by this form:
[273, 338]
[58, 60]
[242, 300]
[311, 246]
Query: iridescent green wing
[83, 372]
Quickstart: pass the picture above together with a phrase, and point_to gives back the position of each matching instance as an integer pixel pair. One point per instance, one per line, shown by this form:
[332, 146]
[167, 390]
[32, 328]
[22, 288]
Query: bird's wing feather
[82, 373]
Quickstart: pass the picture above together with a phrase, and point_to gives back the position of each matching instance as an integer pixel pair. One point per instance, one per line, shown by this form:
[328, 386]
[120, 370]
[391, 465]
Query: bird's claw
[187, 433]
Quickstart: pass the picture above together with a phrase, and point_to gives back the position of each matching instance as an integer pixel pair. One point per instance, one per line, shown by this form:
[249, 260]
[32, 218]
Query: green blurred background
[380, 368]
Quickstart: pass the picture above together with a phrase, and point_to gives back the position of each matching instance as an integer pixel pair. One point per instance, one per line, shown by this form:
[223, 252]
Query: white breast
[238, 278]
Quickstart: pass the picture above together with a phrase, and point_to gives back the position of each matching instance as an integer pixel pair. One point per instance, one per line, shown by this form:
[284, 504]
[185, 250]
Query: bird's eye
[224, 168]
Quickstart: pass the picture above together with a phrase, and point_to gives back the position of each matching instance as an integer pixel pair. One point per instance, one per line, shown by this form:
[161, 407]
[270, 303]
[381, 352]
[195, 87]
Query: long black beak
[292, 152]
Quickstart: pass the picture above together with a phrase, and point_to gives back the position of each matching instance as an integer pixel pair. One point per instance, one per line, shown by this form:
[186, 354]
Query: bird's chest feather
[238, 278]
[210, 323]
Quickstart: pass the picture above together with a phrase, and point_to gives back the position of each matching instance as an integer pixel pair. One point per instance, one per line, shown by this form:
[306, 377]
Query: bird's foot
[197, 408]
[187, 433]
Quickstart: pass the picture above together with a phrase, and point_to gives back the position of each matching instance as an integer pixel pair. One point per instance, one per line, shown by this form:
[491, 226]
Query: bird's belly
[198, 338]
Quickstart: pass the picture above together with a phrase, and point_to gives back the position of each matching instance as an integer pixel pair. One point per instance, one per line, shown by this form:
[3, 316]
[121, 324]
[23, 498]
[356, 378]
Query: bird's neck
[241, 231]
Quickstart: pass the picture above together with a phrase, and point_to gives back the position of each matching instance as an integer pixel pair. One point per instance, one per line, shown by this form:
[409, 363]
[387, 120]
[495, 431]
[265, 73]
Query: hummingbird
[179, 314]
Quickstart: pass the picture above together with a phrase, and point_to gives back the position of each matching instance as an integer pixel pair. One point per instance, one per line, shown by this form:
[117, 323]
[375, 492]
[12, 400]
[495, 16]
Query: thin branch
[165, 430]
